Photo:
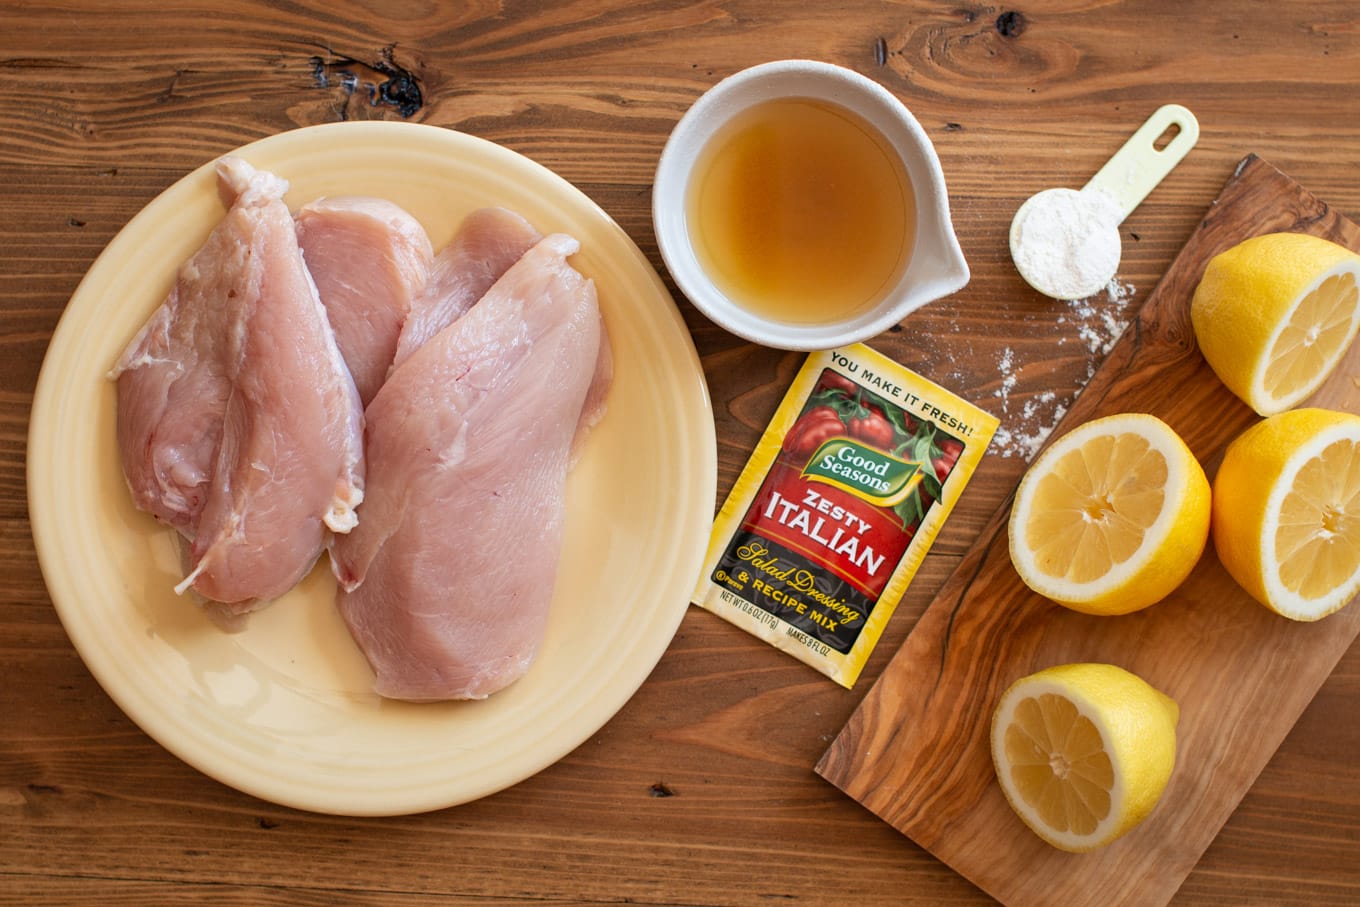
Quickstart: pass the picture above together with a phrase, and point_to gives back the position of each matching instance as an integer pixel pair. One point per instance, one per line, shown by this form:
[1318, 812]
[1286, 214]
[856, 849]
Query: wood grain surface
[702, 789]
[916, 751]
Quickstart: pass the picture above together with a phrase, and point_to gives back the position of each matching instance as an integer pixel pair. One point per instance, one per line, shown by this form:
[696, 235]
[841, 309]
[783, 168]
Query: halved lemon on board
[1274, 314]
[1112, 516]
[1286, 511]
[1083, 752]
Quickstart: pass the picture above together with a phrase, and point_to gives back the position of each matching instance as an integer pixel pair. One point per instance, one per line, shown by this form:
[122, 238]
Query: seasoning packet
[838, 505]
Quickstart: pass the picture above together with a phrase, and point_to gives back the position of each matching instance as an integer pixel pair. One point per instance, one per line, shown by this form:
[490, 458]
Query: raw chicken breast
[369, 259]
[597, 395]
[488, 242]
[238, 422]
[447, 580]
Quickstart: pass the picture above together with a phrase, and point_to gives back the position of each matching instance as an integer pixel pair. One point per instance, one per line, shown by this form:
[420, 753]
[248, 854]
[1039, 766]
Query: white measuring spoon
[1064, 242]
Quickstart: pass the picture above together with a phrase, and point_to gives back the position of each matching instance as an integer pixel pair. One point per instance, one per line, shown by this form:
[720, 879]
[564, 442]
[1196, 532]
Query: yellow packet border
[915, 395]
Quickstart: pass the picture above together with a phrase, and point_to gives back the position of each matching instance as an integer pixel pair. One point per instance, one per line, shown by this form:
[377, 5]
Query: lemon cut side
[1274, 314]
[1286, 512]
[1112, 517]
[1083, 752]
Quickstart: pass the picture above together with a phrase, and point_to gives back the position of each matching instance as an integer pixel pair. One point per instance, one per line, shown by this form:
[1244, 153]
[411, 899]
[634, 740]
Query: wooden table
[701, 791]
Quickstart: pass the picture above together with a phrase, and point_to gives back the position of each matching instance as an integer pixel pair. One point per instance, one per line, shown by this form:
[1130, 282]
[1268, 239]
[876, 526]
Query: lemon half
[1274, 314]
[1112, 516]
[1286, 511]
[1083, 752]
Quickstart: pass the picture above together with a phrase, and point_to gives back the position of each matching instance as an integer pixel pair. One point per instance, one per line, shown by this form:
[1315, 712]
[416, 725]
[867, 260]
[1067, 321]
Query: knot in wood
[1010, 24]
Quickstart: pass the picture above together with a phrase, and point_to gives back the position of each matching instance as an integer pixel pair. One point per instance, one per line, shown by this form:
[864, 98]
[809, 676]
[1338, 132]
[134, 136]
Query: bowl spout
[937, 267]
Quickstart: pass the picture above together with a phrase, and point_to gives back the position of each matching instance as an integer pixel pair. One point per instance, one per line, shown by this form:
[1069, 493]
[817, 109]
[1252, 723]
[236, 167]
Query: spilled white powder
[1065, 243]
[1096, 322]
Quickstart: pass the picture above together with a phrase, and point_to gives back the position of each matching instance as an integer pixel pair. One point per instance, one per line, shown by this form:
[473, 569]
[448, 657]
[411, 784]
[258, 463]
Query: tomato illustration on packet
[838, 407]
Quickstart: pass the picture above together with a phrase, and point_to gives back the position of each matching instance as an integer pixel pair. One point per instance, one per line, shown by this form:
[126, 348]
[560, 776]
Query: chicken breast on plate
[487, 243]
[447, 580]
[238, 422]
[369, 258]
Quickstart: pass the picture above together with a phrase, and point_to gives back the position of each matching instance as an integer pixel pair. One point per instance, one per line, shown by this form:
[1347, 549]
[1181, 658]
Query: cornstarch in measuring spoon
[1067, 242]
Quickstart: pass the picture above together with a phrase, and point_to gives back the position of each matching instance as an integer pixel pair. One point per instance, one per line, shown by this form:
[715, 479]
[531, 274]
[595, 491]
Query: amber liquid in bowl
[800, 212]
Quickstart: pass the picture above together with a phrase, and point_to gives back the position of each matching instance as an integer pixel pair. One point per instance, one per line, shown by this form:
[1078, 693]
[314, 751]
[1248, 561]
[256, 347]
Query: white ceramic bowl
[936, 267]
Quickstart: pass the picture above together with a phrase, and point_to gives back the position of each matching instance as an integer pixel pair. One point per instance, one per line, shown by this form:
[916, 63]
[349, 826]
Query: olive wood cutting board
[916, 750]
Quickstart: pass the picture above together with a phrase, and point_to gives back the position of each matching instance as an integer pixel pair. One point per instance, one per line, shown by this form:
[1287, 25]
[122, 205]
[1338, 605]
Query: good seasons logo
[868, 474]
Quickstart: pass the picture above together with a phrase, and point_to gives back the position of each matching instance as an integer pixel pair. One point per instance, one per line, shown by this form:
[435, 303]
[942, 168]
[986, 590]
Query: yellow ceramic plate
[283, 709]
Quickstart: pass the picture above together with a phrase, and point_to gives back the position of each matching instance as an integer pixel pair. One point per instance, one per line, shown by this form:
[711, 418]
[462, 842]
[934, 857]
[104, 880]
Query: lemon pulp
[1317, 541]
[1315, 336]
[1059, 765]
[1095, 505]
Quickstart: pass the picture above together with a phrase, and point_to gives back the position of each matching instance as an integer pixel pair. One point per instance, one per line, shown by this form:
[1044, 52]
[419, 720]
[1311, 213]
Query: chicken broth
[799, 211]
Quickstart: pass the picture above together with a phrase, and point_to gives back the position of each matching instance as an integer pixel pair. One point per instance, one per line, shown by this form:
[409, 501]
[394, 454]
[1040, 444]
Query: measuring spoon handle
[1137, 168]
